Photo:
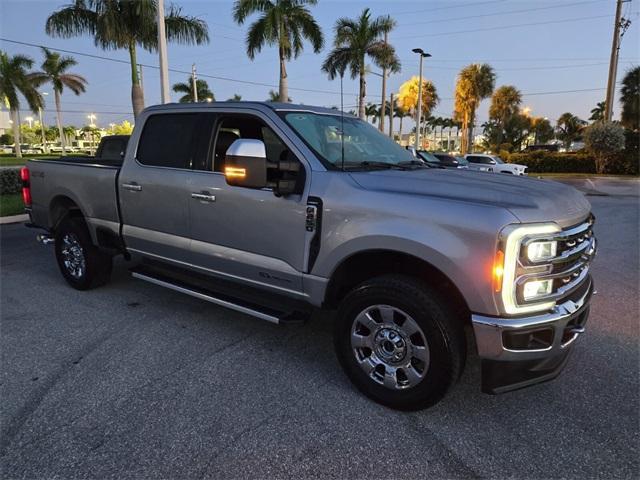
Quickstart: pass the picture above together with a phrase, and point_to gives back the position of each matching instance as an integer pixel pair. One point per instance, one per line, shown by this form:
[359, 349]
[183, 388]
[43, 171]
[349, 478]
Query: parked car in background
[493, 163]
[6, 148]
[449, 161]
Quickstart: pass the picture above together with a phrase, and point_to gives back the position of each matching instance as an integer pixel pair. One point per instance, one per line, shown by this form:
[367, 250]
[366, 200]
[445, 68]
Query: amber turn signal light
[235, 172]
[498, 270]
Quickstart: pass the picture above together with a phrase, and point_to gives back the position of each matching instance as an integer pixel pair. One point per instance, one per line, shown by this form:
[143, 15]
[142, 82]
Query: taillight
[26, 186]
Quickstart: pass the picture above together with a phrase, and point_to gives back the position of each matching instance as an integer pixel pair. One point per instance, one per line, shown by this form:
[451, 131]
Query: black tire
[96, 265]
[442, 330]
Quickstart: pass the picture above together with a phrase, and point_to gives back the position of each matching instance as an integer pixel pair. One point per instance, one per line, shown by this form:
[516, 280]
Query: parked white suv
[493, 163]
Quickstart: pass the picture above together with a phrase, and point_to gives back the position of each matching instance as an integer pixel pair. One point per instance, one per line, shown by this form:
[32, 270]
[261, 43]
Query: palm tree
[354, 41]
[125, 24]
[371, 110]
[399, 112]
[408, 97]
[236, 98]
[568, 128]
[597, 113]
[14, 80]
[505, 103]
[54, 70]
[389, 65]
[202, 89]
[285, 23]
[630, 99]
[275, 97]
[475, 83]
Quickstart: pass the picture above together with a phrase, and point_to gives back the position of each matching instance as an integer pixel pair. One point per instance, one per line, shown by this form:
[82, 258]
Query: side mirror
[246, 163]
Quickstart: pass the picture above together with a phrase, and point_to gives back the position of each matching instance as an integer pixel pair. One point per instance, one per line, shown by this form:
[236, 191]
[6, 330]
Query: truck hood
[529, 199]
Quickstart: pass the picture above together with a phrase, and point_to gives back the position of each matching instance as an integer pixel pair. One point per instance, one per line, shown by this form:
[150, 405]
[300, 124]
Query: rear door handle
[134, 187]
[205, 197]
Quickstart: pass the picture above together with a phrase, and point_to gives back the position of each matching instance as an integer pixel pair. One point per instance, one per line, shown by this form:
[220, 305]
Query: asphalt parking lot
[135, 381]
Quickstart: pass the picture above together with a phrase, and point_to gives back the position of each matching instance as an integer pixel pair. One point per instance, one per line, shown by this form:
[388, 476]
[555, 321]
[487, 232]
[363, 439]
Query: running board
[222, 300]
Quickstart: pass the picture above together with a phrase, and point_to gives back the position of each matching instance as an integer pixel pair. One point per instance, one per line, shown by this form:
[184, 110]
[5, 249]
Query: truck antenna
[342, 118]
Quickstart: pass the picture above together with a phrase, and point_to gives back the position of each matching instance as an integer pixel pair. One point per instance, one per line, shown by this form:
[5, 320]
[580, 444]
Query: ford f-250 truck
[275, 210]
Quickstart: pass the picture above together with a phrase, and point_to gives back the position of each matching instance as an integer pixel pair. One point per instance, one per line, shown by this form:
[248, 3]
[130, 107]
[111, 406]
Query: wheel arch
[363, 265]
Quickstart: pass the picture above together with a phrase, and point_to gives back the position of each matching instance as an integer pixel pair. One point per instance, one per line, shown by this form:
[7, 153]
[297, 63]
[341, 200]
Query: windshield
[462, 161]
[364, 145]
[498, 159]
[428, 157]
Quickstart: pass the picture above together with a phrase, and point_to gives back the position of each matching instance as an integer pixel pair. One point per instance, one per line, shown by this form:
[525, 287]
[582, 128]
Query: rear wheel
[398, 342]
[81, 263]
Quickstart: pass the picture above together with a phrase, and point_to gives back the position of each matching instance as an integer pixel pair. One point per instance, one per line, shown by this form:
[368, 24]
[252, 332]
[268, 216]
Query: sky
[539, 46]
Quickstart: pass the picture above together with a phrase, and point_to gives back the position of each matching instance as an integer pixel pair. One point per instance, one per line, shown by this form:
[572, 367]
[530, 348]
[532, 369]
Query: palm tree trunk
[362, 95]
[470, 132]
[16, 132]
[137, 95]
[63, 142]
[284, 81]
[400, 132]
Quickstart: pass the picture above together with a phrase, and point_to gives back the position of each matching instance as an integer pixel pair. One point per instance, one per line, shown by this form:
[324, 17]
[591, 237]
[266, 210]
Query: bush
[10, 181]
[541, 161]
[625, 162]
[604, 140]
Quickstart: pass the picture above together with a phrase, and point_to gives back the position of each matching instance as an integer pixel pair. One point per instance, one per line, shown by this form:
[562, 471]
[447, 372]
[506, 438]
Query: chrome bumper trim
[489, 330]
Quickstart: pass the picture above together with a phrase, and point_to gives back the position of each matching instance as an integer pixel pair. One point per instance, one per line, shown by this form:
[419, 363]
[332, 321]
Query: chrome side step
[209, 297]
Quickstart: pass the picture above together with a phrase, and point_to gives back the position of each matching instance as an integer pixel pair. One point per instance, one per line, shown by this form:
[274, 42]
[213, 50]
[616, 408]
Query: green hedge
[623, 163]
[10, 181]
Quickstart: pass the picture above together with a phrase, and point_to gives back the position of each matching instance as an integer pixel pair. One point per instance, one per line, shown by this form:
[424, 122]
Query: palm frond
[185, 29]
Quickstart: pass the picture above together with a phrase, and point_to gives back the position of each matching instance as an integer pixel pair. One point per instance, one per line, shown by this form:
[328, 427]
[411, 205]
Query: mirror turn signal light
[235, 172]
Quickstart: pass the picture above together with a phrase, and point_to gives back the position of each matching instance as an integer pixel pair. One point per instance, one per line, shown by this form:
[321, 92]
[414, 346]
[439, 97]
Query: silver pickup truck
[276, 210]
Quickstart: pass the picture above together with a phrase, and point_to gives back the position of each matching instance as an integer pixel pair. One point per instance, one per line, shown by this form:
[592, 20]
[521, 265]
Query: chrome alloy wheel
[73, 256]
[390, 347]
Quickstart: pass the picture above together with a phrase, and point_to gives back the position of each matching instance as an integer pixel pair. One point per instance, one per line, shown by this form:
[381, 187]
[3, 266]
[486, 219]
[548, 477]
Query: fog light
[537, 288]
[537, 251]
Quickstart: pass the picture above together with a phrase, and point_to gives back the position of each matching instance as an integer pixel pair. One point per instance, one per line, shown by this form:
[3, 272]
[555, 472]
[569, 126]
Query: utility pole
[391, 116]
[619, 24]
[162, 52]
[384, 90]
[194, 83]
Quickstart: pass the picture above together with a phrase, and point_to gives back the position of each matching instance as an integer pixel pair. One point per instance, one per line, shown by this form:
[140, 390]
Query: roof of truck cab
[276, 106]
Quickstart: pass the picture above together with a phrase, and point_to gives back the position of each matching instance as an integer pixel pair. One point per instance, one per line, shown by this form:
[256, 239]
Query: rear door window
[167, 140]
[479, 159]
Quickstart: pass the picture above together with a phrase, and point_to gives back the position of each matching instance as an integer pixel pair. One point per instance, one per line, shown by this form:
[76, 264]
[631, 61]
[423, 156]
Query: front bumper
[518, 352]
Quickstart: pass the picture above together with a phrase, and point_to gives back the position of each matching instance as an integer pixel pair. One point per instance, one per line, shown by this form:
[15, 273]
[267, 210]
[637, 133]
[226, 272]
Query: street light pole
[194, 83]
[623, 24]
[162, 51]
[422, 54]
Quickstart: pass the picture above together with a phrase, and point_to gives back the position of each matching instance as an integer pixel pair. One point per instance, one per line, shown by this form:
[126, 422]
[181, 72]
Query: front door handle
[204, 197]
[134, 187]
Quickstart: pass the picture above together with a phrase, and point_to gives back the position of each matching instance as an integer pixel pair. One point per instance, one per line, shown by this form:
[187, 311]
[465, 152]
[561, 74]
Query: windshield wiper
[372, 165]
[416, 163]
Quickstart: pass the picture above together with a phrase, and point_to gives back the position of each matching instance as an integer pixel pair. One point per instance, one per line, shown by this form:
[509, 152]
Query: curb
[13, 219]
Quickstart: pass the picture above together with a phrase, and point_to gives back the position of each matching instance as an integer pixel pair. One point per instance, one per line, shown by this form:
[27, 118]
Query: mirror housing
[246, 163]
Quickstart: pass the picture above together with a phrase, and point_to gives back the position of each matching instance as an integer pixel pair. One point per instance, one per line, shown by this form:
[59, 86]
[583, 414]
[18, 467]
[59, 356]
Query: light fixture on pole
[422, 54]
[92, 119]
[29, 121]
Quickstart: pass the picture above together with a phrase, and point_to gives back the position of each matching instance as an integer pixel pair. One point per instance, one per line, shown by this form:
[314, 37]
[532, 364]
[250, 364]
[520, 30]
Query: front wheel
[398, 342]
[81, 263]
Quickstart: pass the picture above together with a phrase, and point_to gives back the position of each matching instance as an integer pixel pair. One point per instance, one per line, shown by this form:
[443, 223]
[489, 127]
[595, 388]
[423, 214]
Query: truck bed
[87, 182]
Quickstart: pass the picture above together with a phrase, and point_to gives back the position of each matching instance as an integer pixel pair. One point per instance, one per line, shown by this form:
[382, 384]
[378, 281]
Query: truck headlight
[537, 288]
[511, 245]
[538, 251]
